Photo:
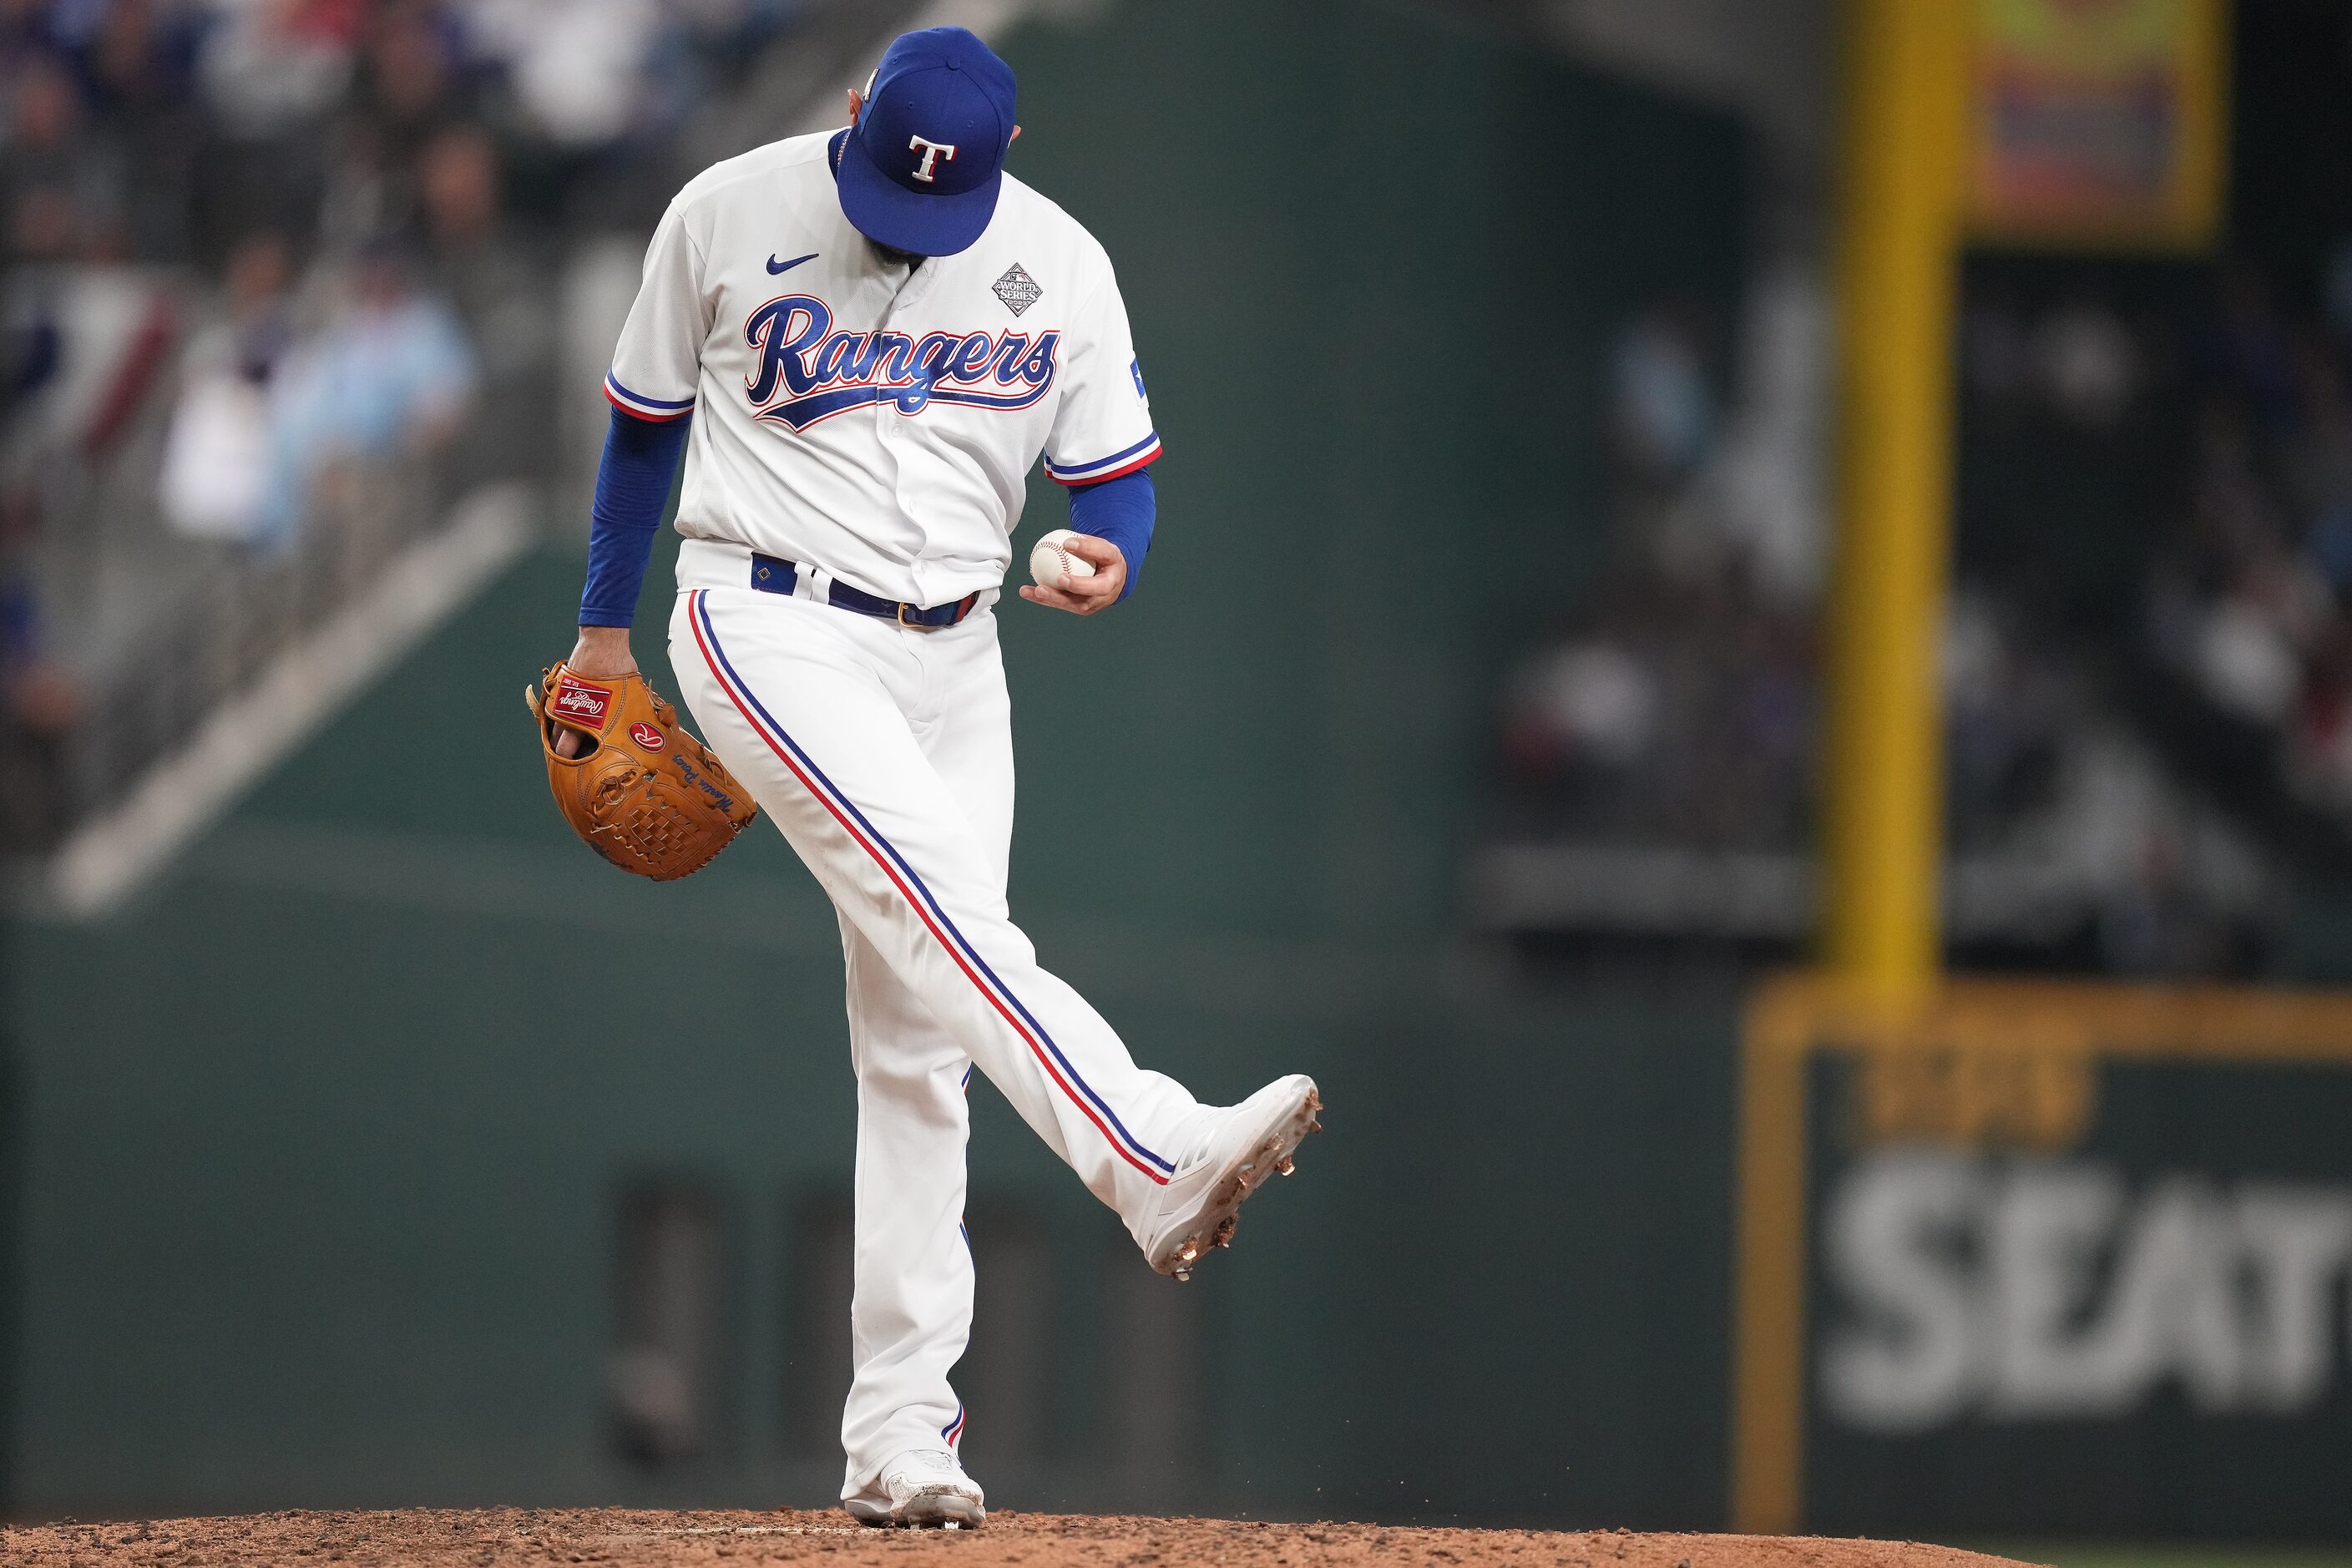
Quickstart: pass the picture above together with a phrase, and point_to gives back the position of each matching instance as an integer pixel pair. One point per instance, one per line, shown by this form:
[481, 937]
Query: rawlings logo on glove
[575, 698]
[645, 794]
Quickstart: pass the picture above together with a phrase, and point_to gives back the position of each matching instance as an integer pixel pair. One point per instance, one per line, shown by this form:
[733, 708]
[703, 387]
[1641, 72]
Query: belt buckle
[903, 621]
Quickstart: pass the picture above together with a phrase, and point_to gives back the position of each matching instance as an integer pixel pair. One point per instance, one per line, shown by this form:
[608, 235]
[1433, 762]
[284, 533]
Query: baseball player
[861, 342]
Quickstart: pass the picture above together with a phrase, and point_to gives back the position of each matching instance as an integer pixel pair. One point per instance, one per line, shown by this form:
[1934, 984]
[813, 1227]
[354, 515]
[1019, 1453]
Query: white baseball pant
[885, 755]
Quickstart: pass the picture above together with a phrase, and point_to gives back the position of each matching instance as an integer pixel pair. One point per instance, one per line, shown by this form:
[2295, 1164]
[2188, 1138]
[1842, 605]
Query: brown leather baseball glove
[645, 794]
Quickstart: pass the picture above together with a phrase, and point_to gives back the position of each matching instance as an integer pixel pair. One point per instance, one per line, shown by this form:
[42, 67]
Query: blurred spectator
[61, 184]
[391, 373]
[476, 261]
[476, 258]
[409, 86]
[135, 76]
[217, 458]
[31, 346]
[1663, 424]
[2005, 711]
[2320, 755]
[2087, 364]
[24, 29]
[2156, 925]
[2246, 658]
[1582, 704]
[407, 92]
[1662, 408]
[269, 66]
[577, 66]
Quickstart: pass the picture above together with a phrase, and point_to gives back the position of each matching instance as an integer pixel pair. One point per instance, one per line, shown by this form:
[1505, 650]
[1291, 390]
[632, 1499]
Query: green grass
[2061, 1554]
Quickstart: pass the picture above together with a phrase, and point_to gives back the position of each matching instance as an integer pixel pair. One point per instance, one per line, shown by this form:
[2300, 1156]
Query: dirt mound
[493, 1537]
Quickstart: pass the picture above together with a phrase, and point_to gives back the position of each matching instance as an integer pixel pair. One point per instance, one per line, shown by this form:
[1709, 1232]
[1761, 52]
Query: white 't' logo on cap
[931, 151]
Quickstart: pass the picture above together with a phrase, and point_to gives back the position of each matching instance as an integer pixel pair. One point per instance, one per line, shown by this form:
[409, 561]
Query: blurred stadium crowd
[2141, 765]
[260, 255]
[2249, 603]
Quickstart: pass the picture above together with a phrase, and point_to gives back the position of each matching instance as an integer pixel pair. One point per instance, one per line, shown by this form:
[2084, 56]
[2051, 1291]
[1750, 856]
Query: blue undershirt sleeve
[1122, 511]
[631, 488]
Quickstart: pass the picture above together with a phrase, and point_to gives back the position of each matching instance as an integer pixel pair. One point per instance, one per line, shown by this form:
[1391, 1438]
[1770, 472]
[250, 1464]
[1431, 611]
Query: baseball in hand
[1051, 556]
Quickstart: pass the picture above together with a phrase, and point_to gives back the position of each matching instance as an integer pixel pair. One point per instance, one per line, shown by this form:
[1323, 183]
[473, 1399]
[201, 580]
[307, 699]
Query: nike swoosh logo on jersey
[775, 265]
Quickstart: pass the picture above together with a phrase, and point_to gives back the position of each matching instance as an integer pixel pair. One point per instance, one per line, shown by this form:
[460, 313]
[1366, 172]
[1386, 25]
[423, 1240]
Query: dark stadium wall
[324, 1137]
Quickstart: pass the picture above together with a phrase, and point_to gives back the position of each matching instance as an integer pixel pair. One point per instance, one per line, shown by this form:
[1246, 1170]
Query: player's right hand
[1084, 595]
[601, 654]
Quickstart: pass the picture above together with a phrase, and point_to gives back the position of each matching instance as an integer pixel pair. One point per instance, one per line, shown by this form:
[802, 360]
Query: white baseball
[1051, 556]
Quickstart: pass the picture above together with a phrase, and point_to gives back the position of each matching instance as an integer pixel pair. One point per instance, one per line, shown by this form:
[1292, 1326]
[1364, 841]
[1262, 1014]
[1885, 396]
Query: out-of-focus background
[1750, 657]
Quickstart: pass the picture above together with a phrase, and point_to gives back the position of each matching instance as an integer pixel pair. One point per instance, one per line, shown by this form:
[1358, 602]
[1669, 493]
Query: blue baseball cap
[922, 166]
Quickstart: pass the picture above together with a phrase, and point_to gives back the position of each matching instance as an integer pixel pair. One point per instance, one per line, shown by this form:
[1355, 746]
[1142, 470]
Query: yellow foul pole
[1905, 145]
[1902, 145]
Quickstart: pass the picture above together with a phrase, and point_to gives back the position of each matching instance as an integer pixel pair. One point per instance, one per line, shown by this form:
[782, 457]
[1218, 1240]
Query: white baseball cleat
[926, 1488]
[1232, 1159]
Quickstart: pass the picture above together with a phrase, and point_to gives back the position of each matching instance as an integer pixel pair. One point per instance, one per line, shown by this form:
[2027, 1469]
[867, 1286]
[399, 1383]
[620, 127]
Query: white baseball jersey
[874, 421]
[876, 425]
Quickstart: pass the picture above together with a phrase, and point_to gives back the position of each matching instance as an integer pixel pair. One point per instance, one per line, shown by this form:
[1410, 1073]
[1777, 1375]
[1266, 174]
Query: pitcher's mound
[494, 1538]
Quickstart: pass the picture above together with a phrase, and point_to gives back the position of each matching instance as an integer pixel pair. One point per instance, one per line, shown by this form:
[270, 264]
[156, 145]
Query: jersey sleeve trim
[656, 409]
[1135, 457]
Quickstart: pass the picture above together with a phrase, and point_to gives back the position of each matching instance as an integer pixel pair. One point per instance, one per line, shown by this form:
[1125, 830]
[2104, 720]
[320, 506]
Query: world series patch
[1017, 289]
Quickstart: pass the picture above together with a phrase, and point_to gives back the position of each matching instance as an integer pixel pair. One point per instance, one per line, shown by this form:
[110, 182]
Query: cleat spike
[1184, 1277]
[1285, 1169]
